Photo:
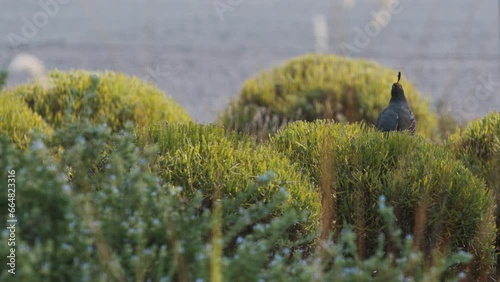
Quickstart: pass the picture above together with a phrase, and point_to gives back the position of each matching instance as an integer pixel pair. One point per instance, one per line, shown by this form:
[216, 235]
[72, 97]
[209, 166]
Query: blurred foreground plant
[342, 262]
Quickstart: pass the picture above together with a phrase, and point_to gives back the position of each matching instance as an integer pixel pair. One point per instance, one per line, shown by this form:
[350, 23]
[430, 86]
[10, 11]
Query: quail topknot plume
[398, 115]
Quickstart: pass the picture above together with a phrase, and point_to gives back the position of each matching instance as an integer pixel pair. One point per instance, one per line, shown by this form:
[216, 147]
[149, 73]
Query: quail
[398, 116]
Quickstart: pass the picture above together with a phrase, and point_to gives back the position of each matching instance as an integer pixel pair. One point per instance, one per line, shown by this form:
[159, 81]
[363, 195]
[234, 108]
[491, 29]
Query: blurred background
[200, 52]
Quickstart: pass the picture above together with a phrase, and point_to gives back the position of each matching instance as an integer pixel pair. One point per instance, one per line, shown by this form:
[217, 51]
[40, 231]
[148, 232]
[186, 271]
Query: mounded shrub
[478, 147]
[101, 97]
[321, 87]
[17, 120]
[209, 159]
[435, 197]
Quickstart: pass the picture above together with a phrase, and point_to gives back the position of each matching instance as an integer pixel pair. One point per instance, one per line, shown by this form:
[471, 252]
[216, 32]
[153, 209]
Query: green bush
[118, 222]
[17, 120]
[209, 159]
[50, 241]
[435, 197]
[340, 260]
[107, 97]
[321, 87]
[478, 147]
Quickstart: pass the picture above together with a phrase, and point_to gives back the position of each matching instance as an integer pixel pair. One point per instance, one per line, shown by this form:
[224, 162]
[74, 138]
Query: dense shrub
[321, 87]
[435, 197]
[17, 120]
[51, 244]
[119, 223]
[206, 158]
[107, 97]
[340, 260]
[478, 147]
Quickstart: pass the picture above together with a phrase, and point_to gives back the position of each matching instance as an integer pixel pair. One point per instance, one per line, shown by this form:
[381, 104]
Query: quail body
[398, 116]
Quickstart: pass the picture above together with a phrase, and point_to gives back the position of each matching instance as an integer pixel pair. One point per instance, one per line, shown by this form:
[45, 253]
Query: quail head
[398, 116]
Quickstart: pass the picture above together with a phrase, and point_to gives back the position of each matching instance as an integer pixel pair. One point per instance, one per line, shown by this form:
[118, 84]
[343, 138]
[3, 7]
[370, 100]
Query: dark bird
[398, 115]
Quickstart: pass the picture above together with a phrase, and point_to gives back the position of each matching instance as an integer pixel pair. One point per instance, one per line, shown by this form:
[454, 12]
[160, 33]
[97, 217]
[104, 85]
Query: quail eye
[393, 86]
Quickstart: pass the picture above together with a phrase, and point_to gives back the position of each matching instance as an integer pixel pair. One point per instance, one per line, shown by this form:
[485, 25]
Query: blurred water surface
[200, 56]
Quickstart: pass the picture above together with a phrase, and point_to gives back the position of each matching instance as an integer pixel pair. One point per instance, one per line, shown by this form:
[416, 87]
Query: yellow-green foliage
[207, 158]
[17, 120]
[321, 87]
[103, 97]
[435, 197]
[478, 147]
